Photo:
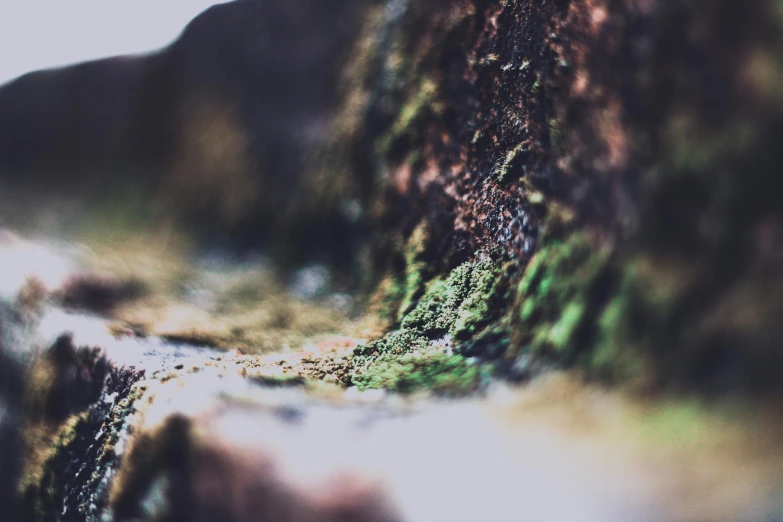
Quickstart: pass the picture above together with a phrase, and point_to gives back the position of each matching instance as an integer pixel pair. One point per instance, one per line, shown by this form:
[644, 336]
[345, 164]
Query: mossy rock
[431, 370]
[558, 293]
[451, 310]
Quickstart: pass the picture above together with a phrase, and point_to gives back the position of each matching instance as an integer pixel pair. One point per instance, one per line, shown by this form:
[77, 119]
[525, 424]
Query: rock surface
[452, 196]
[137, 428]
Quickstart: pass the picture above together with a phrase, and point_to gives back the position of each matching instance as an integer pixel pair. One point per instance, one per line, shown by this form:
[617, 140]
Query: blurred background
[212, 132]
[45, 34]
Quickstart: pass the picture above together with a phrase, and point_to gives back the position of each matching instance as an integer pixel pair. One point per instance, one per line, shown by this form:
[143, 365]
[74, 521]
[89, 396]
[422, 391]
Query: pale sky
[37, 34]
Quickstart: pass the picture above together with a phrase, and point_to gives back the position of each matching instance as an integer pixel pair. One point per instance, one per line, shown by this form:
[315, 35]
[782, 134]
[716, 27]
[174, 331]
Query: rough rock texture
[611, 168]
[512, 185]
[568, 182]
[73, 437]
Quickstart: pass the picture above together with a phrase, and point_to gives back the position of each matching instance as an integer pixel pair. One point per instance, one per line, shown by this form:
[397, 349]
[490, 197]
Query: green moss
[395, 343]
[417, 269]
[615, 353]
[460, 304]
[451, 309]
[577, 304]
[487, 294]
[436, 310]
[423, 100]
[561, 335]
[556, 294]
[431, 370]
[509, 160]
[623, 346]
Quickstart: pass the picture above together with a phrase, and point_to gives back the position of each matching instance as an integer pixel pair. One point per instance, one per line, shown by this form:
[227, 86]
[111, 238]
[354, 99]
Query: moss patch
[459, 304]
[417, 269]
[557, 293]
[432, 370]
[451, 310]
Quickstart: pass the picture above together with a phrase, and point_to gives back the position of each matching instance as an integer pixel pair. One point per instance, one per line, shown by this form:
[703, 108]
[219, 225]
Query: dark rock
[98, 294]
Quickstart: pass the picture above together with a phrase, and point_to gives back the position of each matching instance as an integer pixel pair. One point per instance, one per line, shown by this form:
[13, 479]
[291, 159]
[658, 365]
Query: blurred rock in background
[213, 132]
